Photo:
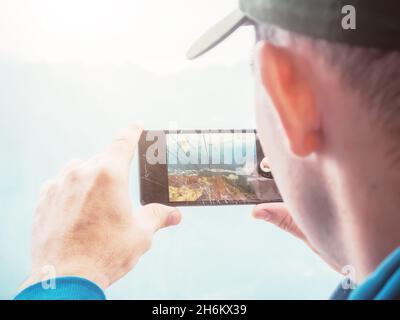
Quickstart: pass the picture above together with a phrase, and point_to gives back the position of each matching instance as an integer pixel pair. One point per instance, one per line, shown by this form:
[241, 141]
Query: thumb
[158, 216]
[278, 214]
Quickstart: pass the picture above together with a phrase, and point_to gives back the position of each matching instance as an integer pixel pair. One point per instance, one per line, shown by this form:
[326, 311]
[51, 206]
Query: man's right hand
[84, 223]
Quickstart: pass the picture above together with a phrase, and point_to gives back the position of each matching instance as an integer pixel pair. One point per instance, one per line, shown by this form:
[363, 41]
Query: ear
[292, 96]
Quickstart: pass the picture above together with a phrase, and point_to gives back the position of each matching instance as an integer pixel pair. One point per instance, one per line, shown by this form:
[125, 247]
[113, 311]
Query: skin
[339, 185]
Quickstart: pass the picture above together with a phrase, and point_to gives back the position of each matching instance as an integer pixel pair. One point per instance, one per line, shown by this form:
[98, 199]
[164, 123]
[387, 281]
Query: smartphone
[204, 167]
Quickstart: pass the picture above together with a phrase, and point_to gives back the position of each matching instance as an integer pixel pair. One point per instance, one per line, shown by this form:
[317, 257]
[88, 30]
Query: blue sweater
[66, 288]
[383, 284]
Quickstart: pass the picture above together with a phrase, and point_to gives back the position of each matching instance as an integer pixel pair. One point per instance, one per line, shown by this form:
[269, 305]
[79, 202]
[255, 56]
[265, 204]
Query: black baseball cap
[376, 23]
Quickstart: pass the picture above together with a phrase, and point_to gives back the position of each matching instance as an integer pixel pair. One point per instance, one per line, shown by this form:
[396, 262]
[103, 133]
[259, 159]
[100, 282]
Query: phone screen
[216, 167]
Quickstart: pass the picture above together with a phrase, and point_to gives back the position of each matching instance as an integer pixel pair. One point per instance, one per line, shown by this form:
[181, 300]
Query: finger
[69, 166]
[278, 214]
[264, 164]
[158, 216]
[46, 186]
[124, 144]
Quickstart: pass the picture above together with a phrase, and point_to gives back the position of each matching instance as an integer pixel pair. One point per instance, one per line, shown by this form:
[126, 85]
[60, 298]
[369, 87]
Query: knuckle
[121, 139]
[290, 225]
[286, 223]
[122, 142]
[39, 210]
[74, 175]
[157, 214]
[104, 175]
[49, 188]
[79, 227]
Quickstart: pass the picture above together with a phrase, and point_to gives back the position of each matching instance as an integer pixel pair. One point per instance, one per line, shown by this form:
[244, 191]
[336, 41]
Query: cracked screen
[213, 167]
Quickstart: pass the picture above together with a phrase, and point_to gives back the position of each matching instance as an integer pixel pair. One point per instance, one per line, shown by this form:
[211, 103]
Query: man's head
[329, 118]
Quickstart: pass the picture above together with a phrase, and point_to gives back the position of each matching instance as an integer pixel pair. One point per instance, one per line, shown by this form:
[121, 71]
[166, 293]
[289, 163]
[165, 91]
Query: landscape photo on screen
[213, 167]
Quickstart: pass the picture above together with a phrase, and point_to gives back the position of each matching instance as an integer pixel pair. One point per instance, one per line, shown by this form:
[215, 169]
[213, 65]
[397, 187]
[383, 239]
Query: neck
[370, 205]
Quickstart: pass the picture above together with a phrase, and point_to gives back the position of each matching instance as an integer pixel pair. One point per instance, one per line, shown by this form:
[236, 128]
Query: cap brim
[217, 34]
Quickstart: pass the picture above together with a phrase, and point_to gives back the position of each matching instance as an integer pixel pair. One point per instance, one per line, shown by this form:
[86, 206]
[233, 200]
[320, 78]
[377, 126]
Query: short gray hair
[374, 74]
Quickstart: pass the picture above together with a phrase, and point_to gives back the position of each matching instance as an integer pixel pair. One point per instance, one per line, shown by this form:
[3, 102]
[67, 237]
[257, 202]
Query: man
[328, 112]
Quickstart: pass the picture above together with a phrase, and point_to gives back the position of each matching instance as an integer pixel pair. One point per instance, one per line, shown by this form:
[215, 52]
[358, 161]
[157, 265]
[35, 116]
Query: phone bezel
[154, 178]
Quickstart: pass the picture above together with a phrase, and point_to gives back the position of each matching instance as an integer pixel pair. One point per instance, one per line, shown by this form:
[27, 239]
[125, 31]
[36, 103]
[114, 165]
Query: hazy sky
[154, 34]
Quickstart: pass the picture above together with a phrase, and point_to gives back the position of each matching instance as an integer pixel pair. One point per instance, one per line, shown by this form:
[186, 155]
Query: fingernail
[264, 214]
[174, 218]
